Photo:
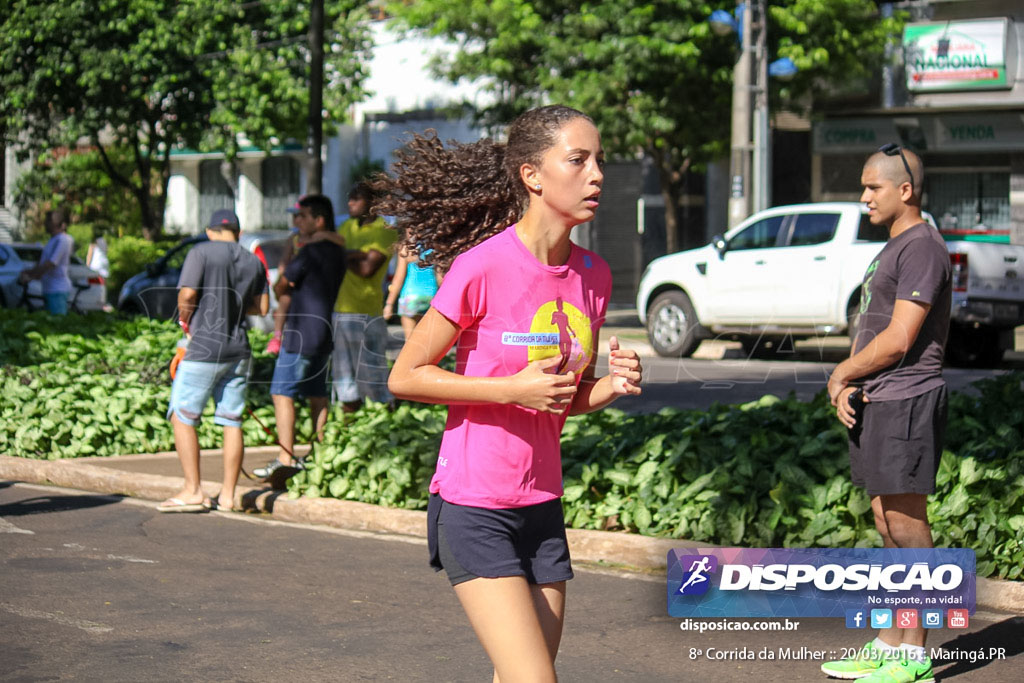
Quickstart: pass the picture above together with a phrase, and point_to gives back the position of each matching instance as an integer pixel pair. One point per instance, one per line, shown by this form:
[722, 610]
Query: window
[760, 235]
[869, 232]
[973, 201]
[280, 189]
[214, 191]
[813, 228]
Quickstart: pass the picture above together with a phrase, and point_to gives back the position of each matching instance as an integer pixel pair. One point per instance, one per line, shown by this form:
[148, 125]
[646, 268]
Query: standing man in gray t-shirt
[890, 393]
[52, 268]
[220, 283]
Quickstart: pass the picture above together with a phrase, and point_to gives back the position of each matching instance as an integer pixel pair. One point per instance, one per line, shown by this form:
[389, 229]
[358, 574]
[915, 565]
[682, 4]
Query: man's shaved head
[891, 168]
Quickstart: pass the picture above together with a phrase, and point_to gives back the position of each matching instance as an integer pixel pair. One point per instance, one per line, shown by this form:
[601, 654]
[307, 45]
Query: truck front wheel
[672, 325]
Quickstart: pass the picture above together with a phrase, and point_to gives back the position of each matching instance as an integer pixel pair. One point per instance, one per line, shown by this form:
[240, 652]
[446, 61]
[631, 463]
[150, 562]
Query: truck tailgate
[995, 271]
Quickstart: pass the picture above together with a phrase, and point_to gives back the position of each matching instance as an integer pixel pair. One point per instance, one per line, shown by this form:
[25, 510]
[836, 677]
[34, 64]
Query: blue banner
[858, 584]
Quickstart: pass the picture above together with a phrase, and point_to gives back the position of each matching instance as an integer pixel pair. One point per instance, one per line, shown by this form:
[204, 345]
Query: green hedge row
[769, 473]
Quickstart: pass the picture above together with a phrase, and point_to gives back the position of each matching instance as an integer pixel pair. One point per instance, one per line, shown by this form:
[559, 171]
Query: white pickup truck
[794, 272]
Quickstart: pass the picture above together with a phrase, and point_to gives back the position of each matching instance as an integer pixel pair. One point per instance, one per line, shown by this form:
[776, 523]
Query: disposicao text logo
[817, 582]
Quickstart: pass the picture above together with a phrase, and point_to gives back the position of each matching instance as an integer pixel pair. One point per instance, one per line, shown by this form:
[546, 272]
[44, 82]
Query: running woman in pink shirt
[525, 305]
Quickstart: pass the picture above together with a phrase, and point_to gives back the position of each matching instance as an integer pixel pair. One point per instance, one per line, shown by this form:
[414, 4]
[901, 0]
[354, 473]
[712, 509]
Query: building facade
[955, 96]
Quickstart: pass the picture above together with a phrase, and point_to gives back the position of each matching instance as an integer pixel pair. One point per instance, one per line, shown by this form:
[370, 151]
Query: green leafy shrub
[770, 473]
[129, 256]
[98, 385]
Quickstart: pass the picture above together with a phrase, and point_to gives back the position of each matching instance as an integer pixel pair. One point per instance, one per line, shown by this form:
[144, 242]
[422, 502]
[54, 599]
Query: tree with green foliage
[80, 182]
[150, 76]
[651, 73]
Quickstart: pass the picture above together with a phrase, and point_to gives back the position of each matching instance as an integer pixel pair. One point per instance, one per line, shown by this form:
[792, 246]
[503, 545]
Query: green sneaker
[904, 671]
[865, 662]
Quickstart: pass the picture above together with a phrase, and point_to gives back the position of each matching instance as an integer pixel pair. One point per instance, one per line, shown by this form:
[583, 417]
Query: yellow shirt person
[358, 294]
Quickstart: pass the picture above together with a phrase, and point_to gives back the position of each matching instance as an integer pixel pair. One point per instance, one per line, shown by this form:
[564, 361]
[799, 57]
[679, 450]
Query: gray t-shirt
[913, 266]
[57, 251]
[229, 280]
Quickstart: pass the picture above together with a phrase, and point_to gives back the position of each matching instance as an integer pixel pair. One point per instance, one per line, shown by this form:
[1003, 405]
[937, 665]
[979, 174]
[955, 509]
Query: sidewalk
[158, 476]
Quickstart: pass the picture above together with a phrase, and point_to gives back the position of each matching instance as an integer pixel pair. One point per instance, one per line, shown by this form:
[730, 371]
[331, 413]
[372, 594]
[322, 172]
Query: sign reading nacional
[957, 55]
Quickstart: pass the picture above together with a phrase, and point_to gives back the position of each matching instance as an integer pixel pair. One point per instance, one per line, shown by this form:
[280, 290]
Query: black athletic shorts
[895, 447]
[470, 542]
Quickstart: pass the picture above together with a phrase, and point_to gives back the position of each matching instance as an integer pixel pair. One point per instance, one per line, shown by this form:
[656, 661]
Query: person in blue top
[414, 286]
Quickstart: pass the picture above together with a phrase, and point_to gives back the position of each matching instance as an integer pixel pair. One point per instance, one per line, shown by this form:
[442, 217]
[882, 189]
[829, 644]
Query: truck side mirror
[720, 245]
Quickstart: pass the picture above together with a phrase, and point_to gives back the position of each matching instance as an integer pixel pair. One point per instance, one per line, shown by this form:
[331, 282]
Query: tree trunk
[152, 223]
[671, 180]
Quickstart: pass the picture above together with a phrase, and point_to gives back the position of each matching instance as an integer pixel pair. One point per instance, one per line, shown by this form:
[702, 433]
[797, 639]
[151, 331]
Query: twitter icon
[881, 618]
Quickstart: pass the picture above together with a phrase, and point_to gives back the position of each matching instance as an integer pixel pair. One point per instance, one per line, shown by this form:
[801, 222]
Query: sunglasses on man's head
[891, 149]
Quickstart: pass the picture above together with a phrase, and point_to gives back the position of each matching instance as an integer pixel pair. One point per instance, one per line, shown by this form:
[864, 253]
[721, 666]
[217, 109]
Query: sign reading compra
[957, 55]
[816, 582]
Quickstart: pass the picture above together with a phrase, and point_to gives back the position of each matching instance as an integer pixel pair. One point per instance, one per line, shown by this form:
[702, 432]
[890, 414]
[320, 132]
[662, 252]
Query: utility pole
[740, 165]
[316, 96]
[762, 176]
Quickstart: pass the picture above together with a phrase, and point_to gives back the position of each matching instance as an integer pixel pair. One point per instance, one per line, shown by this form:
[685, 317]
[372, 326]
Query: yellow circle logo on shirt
[574, 339]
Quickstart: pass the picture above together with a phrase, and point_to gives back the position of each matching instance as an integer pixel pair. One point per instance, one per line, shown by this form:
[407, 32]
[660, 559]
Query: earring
[537, 187]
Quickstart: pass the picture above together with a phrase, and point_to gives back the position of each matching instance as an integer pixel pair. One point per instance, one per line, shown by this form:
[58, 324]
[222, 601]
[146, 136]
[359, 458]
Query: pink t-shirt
[513, 309]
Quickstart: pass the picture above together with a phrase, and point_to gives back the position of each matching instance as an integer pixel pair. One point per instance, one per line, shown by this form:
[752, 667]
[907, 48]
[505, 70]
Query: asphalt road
[100, 588]
[697, 383]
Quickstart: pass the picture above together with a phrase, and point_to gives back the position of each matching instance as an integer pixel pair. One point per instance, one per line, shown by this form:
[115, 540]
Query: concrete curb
[620, 550]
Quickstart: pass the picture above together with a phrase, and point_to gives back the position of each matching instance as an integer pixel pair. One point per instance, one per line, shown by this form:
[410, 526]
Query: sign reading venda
[956, 55]
[816, 582]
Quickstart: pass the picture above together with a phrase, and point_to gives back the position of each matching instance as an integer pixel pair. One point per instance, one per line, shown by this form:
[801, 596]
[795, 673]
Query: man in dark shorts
[890, 392]
[220, 283]
[312, 277]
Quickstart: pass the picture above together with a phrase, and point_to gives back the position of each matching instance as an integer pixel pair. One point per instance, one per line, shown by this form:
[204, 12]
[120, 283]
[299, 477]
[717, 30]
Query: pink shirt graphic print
[512, 310]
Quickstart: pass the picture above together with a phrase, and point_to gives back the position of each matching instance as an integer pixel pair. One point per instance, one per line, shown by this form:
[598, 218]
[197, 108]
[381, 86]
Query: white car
[795, 272]
[88, 292]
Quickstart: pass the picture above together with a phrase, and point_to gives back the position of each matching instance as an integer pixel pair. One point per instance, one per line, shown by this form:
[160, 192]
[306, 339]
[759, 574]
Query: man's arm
[887, 348]
[283, 286]
[328, 235]
[260, 306]
[365, 263]
[188, 299]
[36, 271]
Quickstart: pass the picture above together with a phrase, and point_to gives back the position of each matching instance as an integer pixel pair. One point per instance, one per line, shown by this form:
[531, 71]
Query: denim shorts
[471, 542]
[195, 382]
[56, 302]
[298, 376]
[359, 364]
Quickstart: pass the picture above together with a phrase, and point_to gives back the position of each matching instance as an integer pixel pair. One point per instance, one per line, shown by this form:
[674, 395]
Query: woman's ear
[530, 175]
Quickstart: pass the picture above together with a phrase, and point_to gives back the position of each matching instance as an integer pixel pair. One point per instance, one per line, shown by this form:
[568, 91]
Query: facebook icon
[856, 618]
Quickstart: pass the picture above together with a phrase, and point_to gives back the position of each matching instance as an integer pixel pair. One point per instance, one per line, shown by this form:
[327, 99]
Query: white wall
[399, 78]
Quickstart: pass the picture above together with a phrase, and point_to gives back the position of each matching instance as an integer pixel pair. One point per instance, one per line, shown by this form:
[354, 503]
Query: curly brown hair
[448, 197]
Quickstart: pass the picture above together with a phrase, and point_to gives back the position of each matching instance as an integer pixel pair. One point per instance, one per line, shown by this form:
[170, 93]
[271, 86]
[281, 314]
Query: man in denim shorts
[220, 283]
[312, 279]
[890, 393]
